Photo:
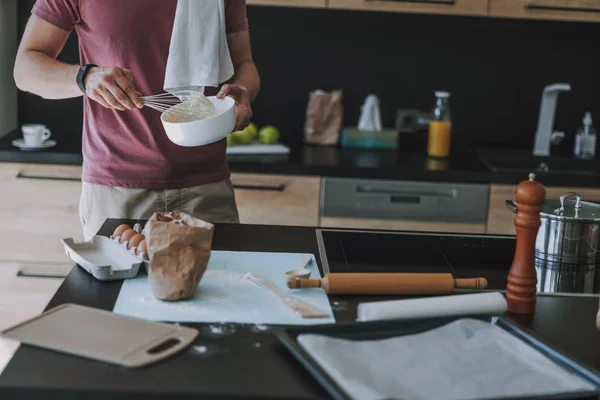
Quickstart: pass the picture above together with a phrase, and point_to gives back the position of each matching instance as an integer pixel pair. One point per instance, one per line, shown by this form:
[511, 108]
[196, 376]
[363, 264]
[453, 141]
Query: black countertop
[463, 165]
[242, 369]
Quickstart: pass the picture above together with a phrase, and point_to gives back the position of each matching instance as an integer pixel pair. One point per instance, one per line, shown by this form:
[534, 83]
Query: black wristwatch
[85, 68]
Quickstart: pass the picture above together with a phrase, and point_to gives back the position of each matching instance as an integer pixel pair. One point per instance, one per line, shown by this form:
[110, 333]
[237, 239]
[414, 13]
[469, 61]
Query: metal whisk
[166, 101]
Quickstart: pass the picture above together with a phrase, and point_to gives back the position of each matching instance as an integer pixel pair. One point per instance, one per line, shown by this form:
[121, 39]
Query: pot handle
[566, 196]
[511, 205]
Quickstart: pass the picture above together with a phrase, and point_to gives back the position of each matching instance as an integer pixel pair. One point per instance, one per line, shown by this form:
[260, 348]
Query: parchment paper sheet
[466, 359]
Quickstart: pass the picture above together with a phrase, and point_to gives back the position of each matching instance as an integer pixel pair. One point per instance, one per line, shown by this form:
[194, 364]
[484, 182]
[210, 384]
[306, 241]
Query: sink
[505, 160]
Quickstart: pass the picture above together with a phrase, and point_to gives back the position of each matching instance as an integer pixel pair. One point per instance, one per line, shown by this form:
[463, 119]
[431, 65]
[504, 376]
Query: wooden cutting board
[102, 335]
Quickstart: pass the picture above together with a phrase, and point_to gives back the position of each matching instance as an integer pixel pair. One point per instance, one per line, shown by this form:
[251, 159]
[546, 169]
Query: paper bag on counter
[324, 114]
[179, 249]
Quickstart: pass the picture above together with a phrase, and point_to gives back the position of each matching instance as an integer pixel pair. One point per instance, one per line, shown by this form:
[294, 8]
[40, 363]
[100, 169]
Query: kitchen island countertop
[250, 364]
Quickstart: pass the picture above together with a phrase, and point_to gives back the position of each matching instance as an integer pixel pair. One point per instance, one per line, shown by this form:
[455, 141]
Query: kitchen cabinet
[22, 298]
[501, 219]
[39, 206]
[401, 225]
[457, 7]
[289, 3]
[277, 199]
[566, 10]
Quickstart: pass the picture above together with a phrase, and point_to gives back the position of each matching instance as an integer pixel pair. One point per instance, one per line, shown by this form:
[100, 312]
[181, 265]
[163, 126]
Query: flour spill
[260, 328]
[339, 305]
[206, 350]
[218, 330]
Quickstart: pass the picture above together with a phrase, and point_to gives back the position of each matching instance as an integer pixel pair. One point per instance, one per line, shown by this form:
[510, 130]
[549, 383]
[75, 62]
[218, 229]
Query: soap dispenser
[585, 139]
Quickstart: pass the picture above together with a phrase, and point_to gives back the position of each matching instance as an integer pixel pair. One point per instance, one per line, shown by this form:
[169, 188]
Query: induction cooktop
[464, 256]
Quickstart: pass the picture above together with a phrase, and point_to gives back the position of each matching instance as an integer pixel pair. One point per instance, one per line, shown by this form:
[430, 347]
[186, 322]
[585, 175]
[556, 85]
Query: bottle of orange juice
[440, 127]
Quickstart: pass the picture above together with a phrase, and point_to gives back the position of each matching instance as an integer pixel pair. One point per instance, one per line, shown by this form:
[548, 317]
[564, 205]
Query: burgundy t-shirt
[130, 148]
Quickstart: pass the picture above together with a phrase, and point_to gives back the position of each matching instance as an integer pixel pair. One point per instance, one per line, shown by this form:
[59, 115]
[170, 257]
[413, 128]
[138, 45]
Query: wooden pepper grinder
[522, 278]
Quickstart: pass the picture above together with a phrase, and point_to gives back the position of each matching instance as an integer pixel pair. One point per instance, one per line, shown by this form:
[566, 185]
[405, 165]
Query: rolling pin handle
[295, 282]
[471, 283]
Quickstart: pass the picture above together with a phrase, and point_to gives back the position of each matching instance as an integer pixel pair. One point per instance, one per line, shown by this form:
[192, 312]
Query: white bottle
[585, 140]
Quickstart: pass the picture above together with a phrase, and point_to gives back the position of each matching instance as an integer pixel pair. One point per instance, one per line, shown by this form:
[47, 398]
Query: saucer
[45, 145]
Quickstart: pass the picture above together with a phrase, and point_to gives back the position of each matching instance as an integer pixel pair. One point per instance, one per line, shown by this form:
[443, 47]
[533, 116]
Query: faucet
[545, 134]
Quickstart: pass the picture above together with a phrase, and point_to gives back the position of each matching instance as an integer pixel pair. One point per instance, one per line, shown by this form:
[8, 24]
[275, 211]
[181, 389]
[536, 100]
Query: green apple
[252, 130]
[230, 140]
[242, 137]
[268, 135]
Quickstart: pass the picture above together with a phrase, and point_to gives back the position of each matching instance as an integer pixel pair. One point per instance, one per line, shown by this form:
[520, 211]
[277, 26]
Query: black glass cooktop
[463, 256]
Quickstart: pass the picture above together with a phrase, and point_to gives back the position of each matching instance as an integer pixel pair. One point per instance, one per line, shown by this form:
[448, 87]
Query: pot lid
[570, 207]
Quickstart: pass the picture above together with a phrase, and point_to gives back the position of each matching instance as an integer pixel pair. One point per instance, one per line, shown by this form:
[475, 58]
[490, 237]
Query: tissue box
[384, 139]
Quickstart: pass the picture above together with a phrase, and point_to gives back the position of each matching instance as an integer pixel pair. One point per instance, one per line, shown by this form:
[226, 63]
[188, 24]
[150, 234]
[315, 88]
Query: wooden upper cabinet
[289, 3]
[566, 10]
[457, 7]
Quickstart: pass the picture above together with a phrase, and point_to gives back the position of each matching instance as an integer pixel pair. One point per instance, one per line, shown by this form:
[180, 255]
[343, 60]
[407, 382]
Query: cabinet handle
[47, 178]
[432, 2]
[535, 7]
[279, 188]
[406, 194]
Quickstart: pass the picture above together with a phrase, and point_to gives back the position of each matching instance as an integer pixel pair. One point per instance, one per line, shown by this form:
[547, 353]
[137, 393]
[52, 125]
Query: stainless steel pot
[570, 230]
[567, 278]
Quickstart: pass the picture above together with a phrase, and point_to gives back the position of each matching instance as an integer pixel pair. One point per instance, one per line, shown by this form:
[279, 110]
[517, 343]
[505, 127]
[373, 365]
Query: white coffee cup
[35, 134]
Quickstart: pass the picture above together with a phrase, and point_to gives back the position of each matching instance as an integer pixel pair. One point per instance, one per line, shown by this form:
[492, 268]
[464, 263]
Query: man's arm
[38, 71]
[244, 86]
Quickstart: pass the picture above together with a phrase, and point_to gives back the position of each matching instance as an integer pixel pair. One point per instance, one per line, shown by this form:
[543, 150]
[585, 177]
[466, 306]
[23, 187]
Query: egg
[135, 240]
[142, 247]
[120, 229]
[128, 234]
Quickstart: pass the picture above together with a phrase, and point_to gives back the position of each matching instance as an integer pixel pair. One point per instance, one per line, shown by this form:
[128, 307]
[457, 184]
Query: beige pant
[213, 202]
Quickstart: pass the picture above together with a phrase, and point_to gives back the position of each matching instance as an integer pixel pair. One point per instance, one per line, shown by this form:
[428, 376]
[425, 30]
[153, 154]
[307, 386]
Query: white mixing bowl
[205, 131]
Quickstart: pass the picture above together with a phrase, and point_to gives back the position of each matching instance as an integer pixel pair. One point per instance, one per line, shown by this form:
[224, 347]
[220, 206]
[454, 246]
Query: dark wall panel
[495, 69]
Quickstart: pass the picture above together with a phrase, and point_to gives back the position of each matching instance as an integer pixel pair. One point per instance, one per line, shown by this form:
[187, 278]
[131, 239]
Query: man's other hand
[113, 88]
[240, 95]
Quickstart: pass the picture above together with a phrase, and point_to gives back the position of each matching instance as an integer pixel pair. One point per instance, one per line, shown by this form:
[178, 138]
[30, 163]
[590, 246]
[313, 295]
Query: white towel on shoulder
[198, 54]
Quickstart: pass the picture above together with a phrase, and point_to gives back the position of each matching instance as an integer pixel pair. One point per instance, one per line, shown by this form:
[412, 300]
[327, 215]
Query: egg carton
[106, 258]
[117, 239]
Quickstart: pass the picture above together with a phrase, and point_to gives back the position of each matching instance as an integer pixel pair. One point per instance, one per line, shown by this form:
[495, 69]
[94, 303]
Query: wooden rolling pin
[388, 283]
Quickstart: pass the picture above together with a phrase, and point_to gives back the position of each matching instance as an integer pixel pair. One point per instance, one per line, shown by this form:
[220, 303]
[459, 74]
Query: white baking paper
[490, 303]
[465, 359]
[225, 294]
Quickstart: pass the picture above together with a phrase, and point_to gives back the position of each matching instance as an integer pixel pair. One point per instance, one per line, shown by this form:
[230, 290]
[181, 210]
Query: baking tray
[102, 335]
[103, 258]
[392, 328]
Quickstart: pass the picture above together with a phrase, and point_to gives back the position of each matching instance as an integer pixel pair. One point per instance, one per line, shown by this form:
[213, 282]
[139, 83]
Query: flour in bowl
[194, 107]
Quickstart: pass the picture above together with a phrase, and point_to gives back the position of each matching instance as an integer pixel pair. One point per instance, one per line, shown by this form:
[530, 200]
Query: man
[130, 168]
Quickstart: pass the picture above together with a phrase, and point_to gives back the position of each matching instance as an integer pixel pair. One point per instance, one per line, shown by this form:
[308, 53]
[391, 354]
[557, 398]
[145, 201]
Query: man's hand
[113, 88]
[240, 95]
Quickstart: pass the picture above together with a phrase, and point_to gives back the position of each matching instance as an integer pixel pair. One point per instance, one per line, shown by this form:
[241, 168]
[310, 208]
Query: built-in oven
[403, 204]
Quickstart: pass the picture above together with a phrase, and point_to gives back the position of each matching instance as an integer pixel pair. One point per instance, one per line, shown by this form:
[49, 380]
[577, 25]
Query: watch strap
[83, 70]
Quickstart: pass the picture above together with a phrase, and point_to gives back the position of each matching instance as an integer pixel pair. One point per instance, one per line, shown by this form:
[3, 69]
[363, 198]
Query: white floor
[21, 298]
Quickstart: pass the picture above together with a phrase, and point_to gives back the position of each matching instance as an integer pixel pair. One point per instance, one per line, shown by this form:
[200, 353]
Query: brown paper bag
[324, 114]
[179, 249]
